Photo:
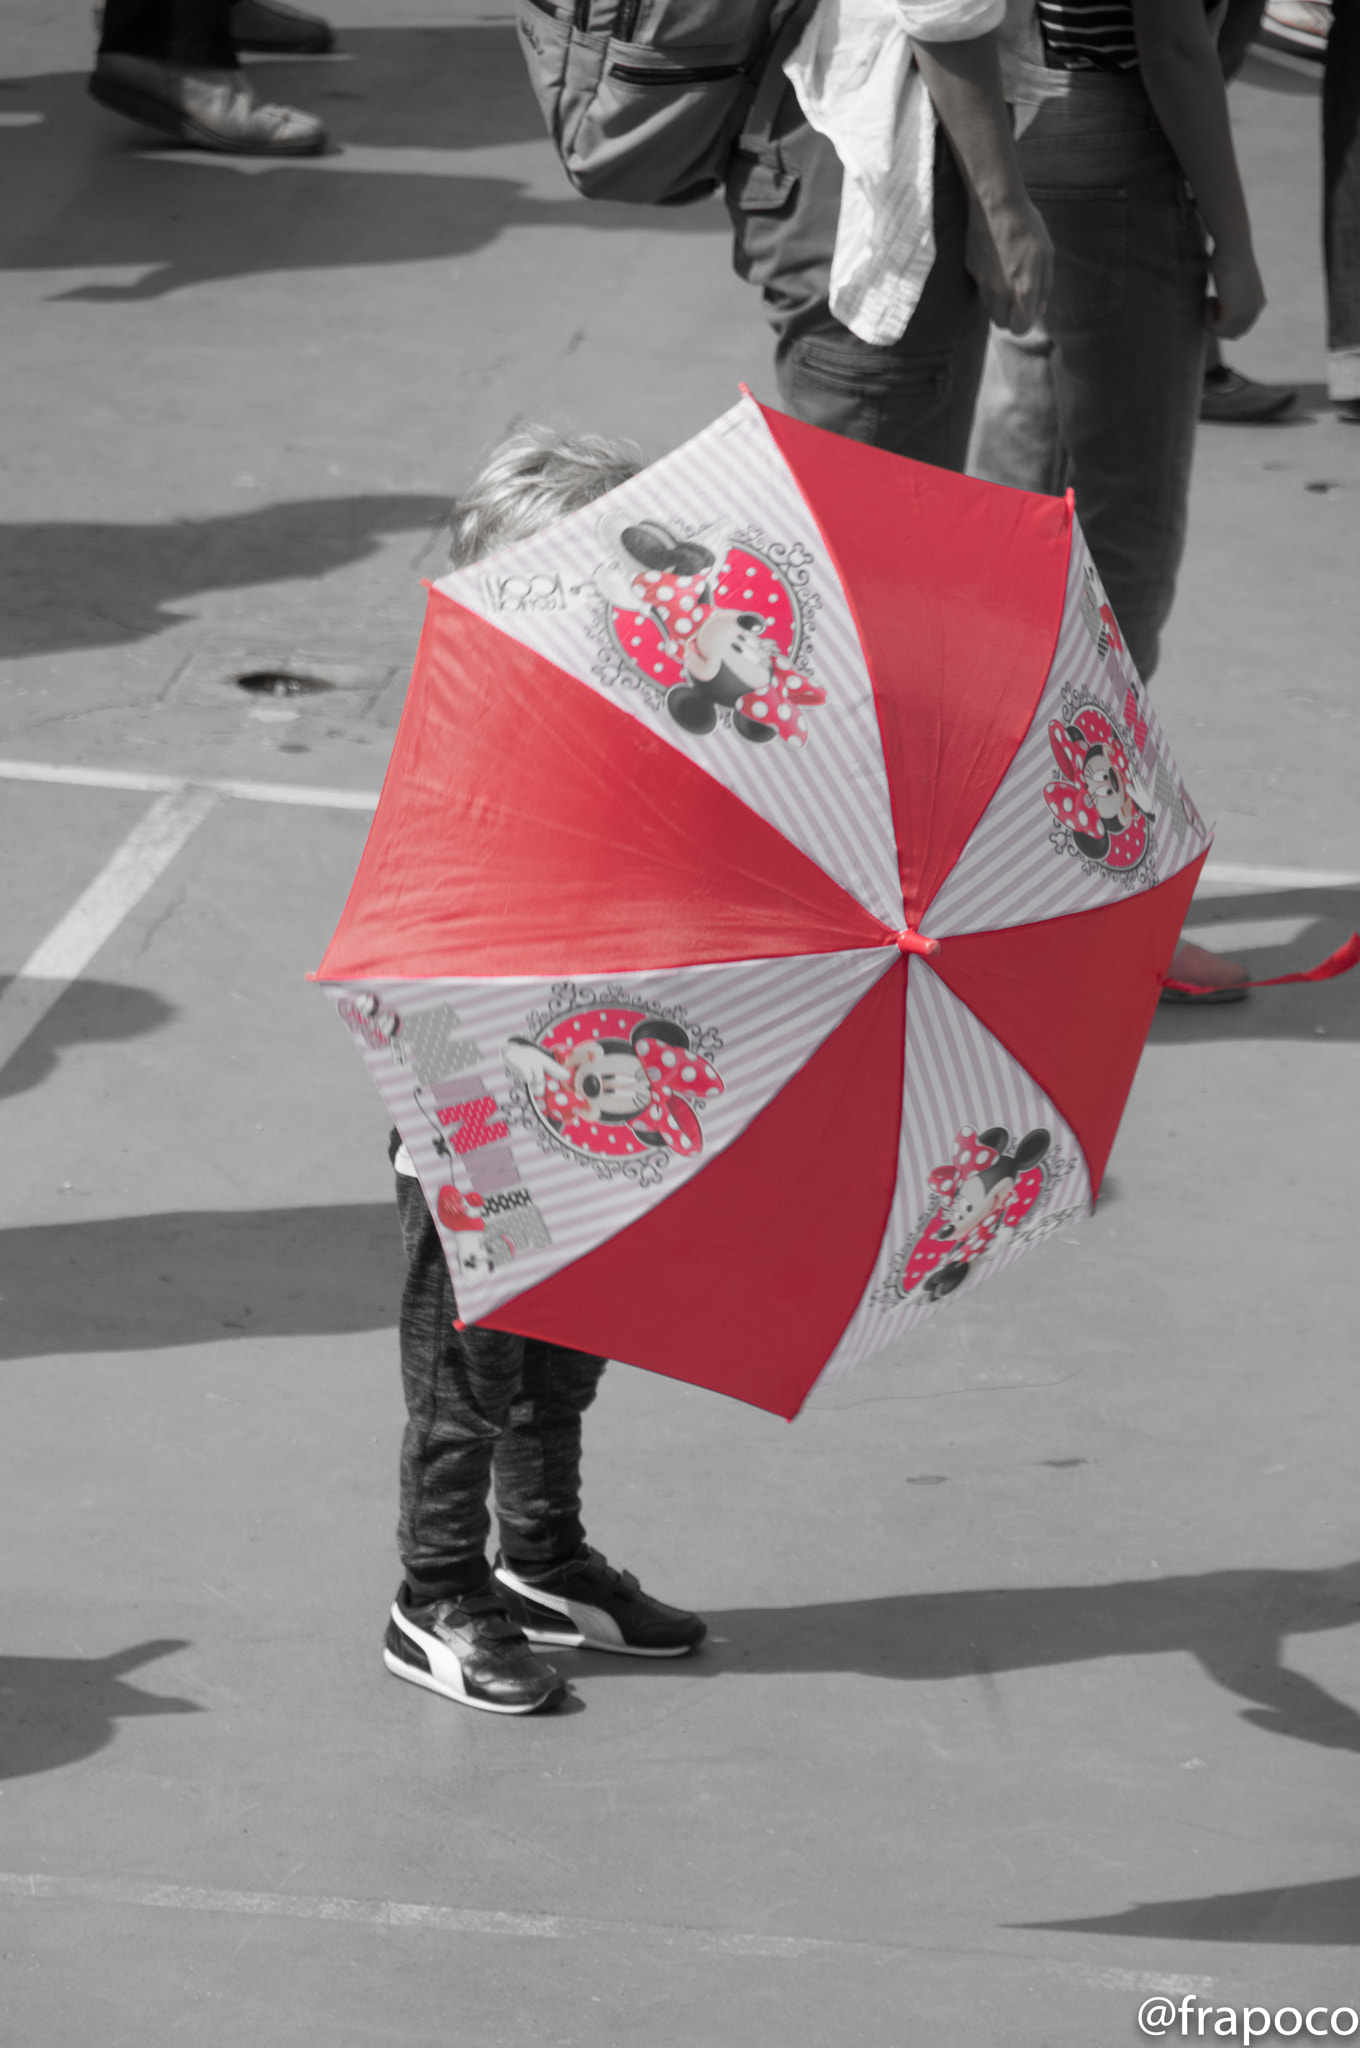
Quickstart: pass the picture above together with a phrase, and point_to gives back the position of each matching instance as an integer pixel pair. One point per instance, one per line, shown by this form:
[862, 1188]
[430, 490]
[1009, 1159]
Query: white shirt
[857, 84]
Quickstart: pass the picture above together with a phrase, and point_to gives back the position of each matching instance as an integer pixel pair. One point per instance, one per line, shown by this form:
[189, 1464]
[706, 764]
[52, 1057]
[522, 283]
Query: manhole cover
[280, 682]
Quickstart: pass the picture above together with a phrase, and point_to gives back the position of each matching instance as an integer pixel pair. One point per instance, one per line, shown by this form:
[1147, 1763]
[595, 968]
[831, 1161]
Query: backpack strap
[766, 180]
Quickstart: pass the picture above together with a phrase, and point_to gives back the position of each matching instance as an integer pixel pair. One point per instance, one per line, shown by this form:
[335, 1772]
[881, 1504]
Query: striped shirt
[1097, 35]
[1088, 35]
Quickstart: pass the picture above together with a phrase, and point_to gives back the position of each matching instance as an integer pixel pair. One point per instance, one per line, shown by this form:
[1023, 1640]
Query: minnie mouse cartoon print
[461, 1215]
[616, 1082]
[372, 1022]
[1102, 808]
[991, 1184]
[712, 624]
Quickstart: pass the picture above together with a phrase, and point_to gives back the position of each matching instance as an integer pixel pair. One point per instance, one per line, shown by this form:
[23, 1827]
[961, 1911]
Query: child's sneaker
[470, 1651]
[585, 1604]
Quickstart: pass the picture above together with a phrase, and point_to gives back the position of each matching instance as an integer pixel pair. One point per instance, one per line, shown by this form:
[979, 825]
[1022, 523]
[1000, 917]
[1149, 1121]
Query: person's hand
[1238, 295]
[1010, 258]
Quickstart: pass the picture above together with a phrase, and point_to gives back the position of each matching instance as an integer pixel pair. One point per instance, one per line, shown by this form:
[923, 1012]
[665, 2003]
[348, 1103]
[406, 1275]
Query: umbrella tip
[909, 941]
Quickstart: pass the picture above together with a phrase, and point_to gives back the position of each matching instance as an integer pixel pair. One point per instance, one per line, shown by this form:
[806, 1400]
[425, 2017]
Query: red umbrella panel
[766, 906]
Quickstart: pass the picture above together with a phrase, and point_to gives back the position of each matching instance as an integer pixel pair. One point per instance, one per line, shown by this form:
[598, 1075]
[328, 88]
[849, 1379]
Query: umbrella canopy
[766, 906]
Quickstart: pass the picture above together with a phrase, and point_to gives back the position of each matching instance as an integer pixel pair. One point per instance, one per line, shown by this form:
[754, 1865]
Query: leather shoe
[271, 30]
[1234, 400]
[207, 109]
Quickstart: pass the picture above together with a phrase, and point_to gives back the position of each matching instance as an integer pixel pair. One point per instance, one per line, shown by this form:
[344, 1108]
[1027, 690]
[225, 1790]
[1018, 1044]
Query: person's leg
[1341, 203]
[913, 396]
[1125, 318]
[1229, 398]
[1017, 439]
[1126, 323]
[171, 65]
[1128, 384]
[537, 1462]
[460, 1387]
[276, 30]
[554, 1584]
[193, 33]
[448, 1630]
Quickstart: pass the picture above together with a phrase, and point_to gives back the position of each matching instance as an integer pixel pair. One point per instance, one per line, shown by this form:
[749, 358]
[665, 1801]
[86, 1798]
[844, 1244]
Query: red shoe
[1210, 977]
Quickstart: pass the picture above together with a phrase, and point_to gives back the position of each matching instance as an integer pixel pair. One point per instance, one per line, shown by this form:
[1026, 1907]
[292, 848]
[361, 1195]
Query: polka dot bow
[970, 1156]
[679, 604]
[777, 705]
[671, 1073]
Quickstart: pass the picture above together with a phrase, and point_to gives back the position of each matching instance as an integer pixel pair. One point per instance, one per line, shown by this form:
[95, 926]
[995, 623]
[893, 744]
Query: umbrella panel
[744, 1278]
[957, 590]
[577, 595]
[1092, 808]
[543, 1118]
[987, 1169]
[1047, 992]
[528, 828]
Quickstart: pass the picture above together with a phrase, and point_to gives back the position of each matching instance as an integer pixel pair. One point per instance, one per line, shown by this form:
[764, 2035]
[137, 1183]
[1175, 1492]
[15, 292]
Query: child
[479, 1402]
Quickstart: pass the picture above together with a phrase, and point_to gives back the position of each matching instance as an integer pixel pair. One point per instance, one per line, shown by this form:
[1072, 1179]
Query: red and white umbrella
[766, 906]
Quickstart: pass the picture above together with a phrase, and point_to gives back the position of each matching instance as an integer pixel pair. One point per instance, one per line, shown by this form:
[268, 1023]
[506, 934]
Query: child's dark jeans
[481, 1403]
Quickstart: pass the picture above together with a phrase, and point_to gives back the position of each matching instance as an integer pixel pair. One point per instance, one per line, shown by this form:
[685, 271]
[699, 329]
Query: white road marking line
[298, 793]
[547, 1926]
[120, 885]
[1226, 874]
[249, 792]
[96, 914]
[1124, 1980]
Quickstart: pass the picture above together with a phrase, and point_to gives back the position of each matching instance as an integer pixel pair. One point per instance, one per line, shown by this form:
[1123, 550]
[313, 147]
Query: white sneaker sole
[445, 1675]
[589, 1628]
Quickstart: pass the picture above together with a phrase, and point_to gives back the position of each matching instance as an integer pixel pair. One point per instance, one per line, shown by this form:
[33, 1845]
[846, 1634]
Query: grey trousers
[913, 396]
[1104, 398]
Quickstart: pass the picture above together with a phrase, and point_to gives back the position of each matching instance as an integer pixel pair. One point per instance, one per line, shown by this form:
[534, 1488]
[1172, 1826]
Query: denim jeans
[1341, 197]
[481, 1403]
[913, 396]
[1105, 396]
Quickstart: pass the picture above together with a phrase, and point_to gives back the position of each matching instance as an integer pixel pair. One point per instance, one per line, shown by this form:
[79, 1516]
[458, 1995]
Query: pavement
[1033, 1688]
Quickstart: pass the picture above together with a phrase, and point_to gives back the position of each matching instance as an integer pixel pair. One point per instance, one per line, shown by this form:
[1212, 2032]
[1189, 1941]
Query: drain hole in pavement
[280, 682]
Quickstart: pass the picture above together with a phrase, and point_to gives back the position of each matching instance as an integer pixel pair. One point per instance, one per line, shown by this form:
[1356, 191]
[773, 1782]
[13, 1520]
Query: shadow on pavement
[187, 220]
[1234, 1623]
[86, 1013]
[137, 1283]
[1325, 1915]
[1319, 1010]
[56, 1710]
[1259, 69]
[68, 583]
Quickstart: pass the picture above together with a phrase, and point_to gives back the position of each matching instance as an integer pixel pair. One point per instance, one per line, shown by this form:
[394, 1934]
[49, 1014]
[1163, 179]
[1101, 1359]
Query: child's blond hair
[532, 478]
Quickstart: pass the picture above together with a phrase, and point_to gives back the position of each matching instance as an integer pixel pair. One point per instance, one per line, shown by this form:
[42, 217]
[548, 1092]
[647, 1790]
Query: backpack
[645, 99]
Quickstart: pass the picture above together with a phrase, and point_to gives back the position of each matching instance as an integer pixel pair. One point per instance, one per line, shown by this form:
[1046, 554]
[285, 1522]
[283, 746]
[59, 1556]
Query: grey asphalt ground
[1034, 1680]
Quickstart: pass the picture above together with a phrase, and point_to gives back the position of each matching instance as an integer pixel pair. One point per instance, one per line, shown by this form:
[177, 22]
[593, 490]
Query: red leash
[1340, 962]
